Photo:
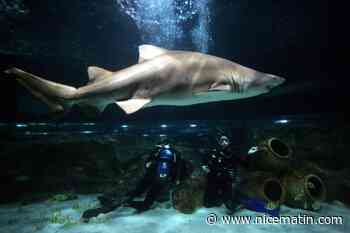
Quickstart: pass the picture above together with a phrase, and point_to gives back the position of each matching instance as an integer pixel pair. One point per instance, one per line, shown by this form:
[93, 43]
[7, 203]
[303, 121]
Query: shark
[161, 77]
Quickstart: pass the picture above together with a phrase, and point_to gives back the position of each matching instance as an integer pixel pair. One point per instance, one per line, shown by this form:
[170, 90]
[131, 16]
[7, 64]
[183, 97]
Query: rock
[189, 196]
[63, 197]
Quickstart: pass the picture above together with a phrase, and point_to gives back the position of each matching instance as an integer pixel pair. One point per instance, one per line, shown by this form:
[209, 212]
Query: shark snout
[276, 80]
[273, 81]
[282, 80]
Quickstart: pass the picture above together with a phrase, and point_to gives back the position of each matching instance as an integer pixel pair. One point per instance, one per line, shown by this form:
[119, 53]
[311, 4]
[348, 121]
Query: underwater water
[53, 172]
[290, 144]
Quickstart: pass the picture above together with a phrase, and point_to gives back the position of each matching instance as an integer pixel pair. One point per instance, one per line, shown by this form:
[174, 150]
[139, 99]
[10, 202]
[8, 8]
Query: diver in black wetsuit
[221, 167]
[164, 168]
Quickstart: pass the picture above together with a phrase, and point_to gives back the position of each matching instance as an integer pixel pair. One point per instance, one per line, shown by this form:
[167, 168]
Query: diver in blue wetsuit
[164, 168]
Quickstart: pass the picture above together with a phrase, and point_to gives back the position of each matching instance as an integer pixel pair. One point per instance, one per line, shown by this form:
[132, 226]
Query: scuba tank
[165, 162]
[163, 169]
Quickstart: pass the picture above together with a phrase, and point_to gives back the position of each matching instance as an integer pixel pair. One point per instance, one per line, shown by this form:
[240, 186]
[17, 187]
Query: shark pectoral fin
[132, 105]
[95, 74]
[147, 52]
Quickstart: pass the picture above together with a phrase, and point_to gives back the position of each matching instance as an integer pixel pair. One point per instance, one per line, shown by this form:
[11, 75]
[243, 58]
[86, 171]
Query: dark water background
[58, 41]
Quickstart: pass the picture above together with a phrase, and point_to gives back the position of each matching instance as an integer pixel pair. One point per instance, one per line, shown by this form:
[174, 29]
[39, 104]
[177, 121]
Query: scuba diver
[164, 168]
[221, 167]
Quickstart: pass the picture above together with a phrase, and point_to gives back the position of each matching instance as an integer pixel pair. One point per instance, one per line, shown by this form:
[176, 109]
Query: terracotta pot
[264, 186]
[304, 190]
[272, 155]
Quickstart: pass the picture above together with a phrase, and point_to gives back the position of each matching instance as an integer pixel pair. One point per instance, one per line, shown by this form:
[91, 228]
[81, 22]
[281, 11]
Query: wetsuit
[222, 179]
[163, 169]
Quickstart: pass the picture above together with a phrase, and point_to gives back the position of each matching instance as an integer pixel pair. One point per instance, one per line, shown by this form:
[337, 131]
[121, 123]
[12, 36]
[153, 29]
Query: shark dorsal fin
[95, 74]
[147, 52]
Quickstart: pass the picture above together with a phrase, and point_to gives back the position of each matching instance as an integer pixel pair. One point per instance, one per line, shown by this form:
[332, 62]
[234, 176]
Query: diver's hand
[148, 164]
[253, 150]
[206, 169]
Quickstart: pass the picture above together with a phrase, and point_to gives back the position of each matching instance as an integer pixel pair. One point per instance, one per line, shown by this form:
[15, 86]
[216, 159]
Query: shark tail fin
[58, 97]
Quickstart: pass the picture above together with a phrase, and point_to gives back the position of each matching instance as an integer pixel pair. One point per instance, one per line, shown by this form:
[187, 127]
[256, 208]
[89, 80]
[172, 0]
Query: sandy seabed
[64, 217]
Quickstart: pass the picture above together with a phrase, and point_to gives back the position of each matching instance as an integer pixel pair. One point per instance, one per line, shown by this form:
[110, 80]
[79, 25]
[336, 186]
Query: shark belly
[198, 98]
